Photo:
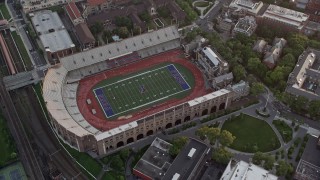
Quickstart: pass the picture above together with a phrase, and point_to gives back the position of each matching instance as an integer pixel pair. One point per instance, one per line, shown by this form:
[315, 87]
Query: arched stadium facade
[62, 81]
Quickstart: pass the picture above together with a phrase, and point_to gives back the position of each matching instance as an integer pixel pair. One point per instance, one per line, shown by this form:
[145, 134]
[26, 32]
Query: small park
[252, 134]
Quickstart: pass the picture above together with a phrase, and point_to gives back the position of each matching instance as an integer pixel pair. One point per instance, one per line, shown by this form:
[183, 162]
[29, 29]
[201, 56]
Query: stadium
[113, 95]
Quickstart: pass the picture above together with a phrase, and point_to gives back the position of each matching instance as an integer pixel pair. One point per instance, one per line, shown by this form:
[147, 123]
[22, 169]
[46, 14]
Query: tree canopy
[226, 138]
[221, 155]
[284, 168]
[177, 145]
[257, 88]
[208, 132]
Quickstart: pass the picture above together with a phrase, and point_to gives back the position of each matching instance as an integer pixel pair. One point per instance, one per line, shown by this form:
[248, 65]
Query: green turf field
[144, 89]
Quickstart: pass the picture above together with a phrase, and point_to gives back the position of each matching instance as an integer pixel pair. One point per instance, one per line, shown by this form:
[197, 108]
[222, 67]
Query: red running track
[99, 120]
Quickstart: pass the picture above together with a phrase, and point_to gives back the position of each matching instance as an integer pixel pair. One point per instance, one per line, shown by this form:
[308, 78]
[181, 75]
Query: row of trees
[301, 104]
[225, 138]
[268, 161]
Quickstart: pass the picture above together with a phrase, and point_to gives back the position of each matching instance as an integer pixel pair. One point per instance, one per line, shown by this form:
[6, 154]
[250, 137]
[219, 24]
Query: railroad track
[43, 134]
[26, 152]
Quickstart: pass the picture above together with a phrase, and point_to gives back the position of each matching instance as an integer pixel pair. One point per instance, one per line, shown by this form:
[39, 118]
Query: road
[26, 153]
[37, 60]
[30, 110]
[203, 23]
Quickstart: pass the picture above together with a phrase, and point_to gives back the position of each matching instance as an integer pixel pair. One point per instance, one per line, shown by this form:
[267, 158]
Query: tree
[208, 132]
[123, 32]
[145, 16]
[96, 28]
[226, 138]
[124, 153]
[253, 64]
[136, 30]
[177, 145]
[314, 108]
[299, 103]
[257, 158]
[256, 67]
[257, 88]
[122, 21]
[288, 61]
[283, 168]
[221, 155]
[239, 72]
[269, 162]
[163, 12]
[117, 163]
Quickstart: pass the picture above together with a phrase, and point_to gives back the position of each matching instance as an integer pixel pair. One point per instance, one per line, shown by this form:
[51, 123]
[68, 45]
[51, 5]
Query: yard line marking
[132, 77]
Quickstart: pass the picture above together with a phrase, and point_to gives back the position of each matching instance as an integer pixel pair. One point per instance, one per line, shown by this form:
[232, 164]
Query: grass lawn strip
[22, 49]
[4, 11]
[85, 160]
[201, 4]
[251, 132]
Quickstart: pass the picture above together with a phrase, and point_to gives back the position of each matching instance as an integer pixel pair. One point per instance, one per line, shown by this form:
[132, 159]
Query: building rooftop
[246, 5]
[238, 170]
[187, 161]
[207, 97]
[34, 5]
[285, 15]
[246, 25]
[309, 165]
[84, 33]
[300, 80]
[56, 41]
[73, 10]
[95, 2]
[156, 160]
[47, 21]
[224, 77]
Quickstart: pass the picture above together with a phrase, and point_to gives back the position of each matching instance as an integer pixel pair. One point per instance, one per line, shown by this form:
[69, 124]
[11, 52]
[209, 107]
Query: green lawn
[7, 146]
[252, 134]
[22, 49]
[112, 175]
[284, 129]
[201, 4]
[4, 11]
[143, 89]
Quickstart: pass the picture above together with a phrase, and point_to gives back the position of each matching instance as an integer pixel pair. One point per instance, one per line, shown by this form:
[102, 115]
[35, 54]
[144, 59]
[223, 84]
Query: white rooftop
[211, 55]
[247, 5]
[46, 20]
[56, 41]
[285, 15]
[243, 170]
[208, 97]
[117, 130]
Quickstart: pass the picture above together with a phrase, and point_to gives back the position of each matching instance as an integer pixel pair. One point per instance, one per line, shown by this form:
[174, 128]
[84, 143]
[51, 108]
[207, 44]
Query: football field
[141, 90]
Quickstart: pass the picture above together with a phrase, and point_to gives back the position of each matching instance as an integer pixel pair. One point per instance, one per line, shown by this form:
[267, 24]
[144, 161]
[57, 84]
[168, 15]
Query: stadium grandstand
[66, 87]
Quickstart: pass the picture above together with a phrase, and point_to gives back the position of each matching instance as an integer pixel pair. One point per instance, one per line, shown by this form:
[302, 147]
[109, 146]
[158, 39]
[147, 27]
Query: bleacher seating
[60, 83]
